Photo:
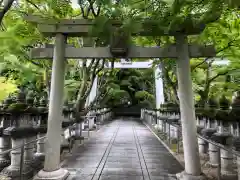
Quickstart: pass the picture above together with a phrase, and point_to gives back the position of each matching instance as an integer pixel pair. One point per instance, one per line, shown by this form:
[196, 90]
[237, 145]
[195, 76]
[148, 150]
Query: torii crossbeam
[195, 51]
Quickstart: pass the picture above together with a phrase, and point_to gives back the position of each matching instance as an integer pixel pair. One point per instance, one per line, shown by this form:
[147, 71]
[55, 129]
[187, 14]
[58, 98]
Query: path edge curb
[165, 145]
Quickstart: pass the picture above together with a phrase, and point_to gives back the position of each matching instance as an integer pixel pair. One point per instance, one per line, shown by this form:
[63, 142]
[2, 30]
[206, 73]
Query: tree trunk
[205, 93]
[172, 85]
[47, 82]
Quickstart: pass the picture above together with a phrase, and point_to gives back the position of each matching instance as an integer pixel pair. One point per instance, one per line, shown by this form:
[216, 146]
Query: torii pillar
[188, 118]
[52, 169]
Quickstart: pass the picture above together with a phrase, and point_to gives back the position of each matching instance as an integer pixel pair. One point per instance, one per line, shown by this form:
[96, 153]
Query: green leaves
[60, 8]
[144, 95]
[7, 87]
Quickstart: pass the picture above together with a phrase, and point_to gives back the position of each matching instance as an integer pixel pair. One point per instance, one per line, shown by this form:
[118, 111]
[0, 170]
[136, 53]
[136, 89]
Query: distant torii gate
[181, 51]
[159, 92]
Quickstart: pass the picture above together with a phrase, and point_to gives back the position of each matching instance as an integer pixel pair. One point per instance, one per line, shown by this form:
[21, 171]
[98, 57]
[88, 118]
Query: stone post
[208, 123]
[202, 145]
[101, 115]
[237, 129]
[148, 118]
[236, 144]
[189, 129]
[51, 170]
[216, 123]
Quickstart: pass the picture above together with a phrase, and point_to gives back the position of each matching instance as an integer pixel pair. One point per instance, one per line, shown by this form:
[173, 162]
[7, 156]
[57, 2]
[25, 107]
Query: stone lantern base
[14, 172]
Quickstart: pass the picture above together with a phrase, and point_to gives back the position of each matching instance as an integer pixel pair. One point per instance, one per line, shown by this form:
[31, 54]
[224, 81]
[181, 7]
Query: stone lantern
[20, 129]
[226, 139]
[65, 126]
[31, 116]
[4, 140]
[42, 130]
[235, 113]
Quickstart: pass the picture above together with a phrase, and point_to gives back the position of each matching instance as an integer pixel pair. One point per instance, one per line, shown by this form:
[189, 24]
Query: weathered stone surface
[126, 150]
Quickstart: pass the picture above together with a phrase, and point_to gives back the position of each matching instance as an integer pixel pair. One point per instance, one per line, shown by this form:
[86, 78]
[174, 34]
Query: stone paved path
[122, 150]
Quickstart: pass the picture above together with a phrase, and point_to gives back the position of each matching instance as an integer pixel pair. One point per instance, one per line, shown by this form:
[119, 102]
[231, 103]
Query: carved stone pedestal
[225, 139]
[13, 170]
[214, 155]
[204, 146]
[29, 151]
[65, 142]
[40, 154]
[227, 165]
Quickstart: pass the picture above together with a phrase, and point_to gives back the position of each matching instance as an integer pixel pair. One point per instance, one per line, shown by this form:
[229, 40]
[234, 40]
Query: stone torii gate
[181, 51]
[159, 94]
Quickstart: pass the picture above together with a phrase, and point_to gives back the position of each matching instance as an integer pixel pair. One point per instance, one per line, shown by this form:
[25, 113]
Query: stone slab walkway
[124, 149]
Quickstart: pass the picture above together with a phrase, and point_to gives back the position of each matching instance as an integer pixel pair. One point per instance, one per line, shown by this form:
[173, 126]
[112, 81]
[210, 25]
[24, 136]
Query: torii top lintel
[82, 27]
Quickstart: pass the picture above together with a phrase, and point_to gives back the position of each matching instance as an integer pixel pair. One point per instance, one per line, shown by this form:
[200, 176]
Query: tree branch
[171, 83]
[91, 64]
[199, 64]
[95, 68]
[91, 2]
[221, 74]
[223, 49]
[30, 2]
[6, 8]
[102, 66]
[94, 74]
